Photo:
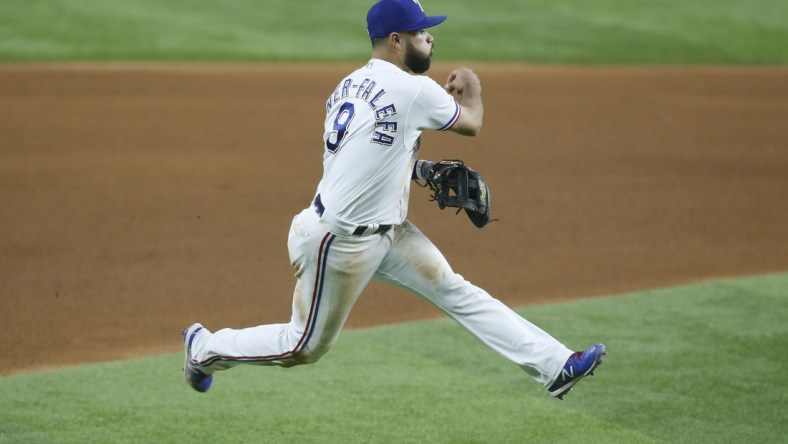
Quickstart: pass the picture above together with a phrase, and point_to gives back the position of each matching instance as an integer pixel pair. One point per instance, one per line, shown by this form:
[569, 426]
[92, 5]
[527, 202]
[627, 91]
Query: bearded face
[415, 60]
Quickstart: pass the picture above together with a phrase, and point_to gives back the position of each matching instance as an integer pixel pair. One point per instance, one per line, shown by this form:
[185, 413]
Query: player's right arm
[465, 83]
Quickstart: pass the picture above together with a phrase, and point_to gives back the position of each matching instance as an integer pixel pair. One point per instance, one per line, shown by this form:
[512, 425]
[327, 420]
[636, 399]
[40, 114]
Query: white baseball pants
[333, 270]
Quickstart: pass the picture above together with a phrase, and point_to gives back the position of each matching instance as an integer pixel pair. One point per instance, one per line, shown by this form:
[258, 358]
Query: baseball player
[355, 228]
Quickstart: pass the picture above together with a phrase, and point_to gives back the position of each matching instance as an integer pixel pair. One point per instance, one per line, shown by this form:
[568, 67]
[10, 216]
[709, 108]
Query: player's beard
[416, 62]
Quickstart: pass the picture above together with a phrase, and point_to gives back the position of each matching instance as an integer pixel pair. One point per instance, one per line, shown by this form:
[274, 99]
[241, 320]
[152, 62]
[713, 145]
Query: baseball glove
[455, 185]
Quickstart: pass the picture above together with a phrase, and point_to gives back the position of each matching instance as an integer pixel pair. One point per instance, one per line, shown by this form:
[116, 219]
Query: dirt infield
[139, 199]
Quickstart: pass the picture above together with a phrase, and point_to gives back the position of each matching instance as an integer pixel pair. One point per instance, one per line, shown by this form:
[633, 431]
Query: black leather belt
[360, 230]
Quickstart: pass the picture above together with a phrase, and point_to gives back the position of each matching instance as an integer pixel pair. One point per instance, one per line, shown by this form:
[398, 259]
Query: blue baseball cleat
[197, 379]
[579, 365]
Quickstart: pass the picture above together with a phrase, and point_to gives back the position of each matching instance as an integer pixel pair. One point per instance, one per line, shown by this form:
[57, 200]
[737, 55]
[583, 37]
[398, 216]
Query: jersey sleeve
[434, 108]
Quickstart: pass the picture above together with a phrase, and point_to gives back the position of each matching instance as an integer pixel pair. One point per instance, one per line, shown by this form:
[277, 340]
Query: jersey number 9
[341, 123]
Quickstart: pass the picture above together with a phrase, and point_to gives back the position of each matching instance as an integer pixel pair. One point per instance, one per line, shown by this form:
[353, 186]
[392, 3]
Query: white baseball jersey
[373, 121]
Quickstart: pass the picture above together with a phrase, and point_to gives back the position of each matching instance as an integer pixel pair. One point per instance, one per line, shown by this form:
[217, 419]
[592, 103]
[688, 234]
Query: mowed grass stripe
[535, 31]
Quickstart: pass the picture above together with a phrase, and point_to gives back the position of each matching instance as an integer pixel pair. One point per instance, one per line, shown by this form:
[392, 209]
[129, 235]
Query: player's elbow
[468, 129]
[469, 122]
[474, 130]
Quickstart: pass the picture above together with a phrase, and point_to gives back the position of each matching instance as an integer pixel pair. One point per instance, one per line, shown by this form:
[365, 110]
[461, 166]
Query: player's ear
[395, 40]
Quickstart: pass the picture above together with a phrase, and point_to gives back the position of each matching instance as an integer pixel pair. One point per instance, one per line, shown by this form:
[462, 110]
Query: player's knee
[463, 298]
[308, 355]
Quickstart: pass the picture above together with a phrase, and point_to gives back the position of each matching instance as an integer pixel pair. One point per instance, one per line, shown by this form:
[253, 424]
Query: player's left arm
[465, 83]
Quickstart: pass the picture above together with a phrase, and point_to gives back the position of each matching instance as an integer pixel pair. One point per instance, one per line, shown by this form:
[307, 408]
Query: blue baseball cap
[387, 16]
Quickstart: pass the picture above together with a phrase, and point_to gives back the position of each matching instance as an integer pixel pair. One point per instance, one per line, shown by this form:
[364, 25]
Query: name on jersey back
[368, 91]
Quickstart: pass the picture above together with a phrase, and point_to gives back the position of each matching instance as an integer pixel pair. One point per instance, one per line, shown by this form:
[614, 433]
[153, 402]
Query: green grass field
[699, 363]
[536, 31]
